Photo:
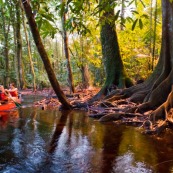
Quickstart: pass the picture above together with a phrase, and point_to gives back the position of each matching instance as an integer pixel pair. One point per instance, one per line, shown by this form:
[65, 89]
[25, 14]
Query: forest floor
[51, 101]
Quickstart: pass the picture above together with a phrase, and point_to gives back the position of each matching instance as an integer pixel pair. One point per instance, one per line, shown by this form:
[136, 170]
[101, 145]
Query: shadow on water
[34, 140]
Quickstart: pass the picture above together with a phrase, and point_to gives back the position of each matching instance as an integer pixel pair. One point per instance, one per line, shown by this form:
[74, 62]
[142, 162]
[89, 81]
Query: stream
[48, 141]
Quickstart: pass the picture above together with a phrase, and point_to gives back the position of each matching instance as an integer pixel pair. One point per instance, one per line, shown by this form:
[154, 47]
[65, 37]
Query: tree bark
[162, 86]
[44, 56]
[83, 66]
[156, 92]
[154, 37]
[85, 76]
[115, 72]
[122, 14]
[67, 54]
[19, 45]
[162, 94]
[5, 28]
[15, 65]
[29, 52]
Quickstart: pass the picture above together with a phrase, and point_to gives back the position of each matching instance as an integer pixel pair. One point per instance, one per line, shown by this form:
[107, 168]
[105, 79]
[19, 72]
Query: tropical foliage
[141, 35]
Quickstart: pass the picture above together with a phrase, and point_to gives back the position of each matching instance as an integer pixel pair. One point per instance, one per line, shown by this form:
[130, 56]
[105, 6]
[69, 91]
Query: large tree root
[165, 110]
[159, 119]
[163, 115]
[158, 96]
[127, 92]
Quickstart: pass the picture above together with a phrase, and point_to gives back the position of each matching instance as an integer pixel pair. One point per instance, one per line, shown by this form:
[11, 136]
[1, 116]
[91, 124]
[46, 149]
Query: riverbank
[50, 100]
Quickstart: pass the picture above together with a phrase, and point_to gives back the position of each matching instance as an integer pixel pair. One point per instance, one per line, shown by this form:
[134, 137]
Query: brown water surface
[48, 141]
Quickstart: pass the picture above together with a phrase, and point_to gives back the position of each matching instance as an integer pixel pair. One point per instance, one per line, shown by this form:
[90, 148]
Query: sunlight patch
[127, 164]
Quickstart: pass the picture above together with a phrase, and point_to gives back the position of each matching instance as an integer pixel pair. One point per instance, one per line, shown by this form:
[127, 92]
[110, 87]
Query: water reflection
[8, 117]
[110, 149]
[34, 140]
[58, 131]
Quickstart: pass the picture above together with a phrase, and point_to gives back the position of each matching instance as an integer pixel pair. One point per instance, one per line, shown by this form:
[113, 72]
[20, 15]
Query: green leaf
[62, 9]
[140, 24]
[39, 22]
[136, 4]
[142, 3]
[131, 2]
[134, 11]
[48, 17]
[145, 16]
[134, 24]
[129, 19]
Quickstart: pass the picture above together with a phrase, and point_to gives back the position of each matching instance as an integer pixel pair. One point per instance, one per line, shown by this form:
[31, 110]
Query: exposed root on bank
[153, 119]
[126, 106]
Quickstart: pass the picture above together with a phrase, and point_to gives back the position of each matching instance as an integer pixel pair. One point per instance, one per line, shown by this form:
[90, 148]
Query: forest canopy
[138, 27]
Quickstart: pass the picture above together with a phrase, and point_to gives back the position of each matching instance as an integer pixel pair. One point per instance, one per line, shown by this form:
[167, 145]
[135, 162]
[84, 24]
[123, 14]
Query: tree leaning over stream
[44, 56]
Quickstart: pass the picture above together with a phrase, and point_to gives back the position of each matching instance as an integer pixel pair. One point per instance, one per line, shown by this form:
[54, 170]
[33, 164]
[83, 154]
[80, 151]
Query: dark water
[45, 141]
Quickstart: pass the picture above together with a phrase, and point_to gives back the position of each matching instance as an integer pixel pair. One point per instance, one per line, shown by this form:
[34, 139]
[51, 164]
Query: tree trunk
[6, 55]
[83, 66]
[19, 45]
[66, 50]
[162, 86]
[44, 56]
[29, 51]
[15, 65]
[122, 14]
[115, 72]
[85, 76]
[154, 37]
[159, 95]
[5, 27]
[151, 37]
[156, 93]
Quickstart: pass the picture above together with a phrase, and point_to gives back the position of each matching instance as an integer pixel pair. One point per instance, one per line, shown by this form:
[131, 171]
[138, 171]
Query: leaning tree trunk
[44, 56]
[115, 72]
